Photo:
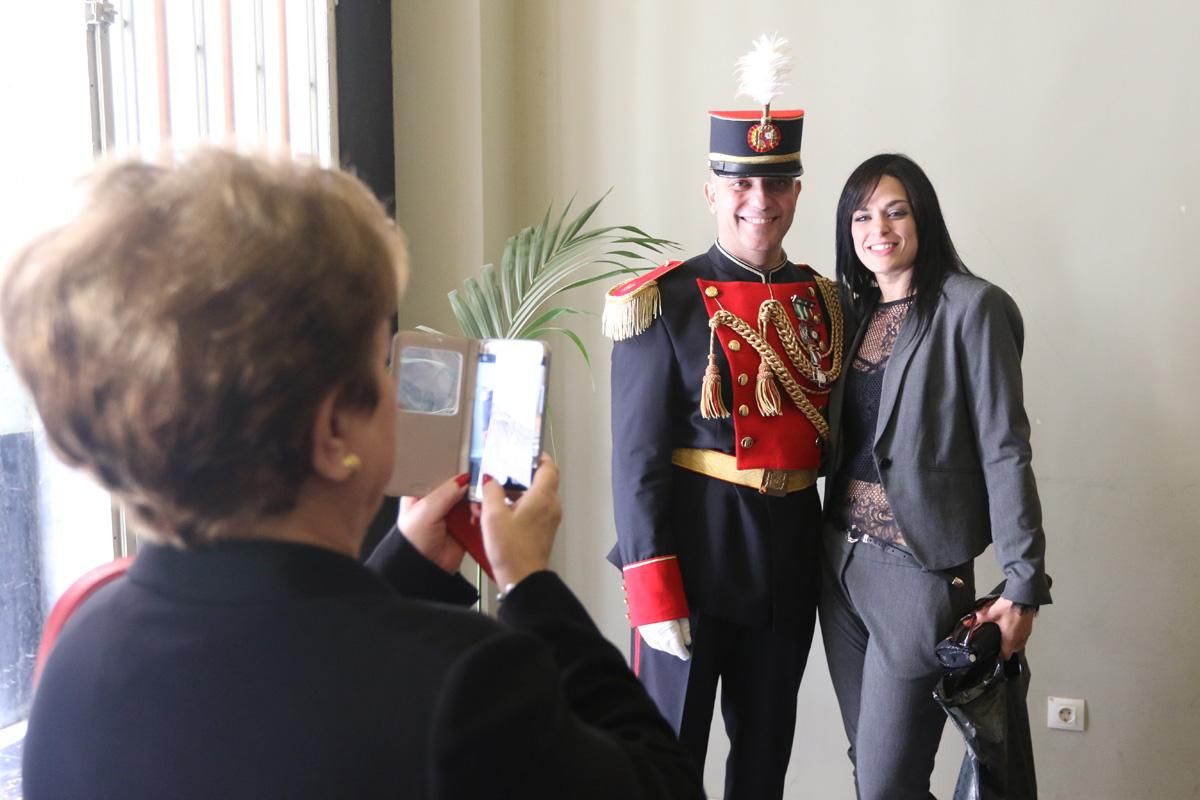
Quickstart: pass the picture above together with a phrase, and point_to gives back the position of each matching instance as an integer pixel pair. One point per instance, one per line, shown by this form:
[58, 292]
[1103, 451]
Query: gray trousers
[881, 615]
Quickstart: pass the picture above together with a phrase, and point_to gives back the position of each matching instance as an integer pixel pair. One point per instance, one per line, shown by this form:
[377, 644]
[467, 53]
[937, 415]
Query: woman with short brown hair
[210, 341]
[179, 335]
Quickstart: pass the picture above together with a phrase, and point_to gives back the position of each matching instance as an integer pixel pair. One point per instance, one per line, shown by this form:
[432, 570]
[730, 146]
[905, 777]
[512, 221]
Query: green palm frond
[541, 262]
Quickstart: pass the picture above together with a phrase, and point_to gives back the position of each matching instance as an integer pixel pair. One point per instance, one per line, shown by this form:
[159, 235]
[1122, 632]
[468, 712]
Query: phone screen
[506, 424]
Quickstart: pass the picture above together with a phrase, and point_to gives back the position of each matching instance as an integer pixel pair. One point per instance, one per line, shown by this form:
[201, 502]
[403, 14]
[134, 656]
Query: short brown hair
[178, 335]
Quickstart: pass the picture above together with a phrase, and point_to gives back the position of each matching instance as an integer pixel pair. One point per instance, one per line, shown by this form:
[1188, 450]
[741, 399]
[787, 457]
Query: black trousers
[759, 671]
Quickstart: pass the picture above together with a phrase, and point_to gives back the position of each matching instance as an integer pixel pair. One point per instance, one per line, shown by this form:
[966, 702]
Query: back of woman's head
[936, 254]
[179, 333]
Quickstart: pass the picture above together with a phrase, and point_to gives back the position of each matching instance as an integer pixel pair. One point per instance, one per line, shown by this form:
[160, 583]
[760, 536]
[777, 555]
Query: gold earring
[352, 462]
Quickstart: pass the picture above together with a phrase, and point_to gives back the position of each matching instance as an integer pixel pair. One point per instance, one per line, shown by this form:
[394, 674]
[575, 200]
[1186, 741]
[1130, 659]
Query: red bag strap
[74, 597]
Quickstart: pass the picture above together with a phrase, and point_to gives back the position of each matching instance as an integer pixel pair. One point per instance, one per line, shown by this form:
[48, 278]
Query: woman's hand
[422, 520]
[518, 537]
[1016, 624]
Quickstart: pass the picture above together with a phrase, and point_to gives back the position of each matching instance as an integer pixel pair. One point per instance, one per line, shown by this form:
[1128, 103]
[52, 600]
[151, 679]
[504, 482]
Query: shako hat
[762, 142]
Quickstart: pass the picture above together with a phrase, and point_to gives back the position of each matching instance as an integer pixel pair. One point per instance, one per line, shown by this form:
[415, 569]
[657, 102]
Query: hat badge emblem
[763, 137]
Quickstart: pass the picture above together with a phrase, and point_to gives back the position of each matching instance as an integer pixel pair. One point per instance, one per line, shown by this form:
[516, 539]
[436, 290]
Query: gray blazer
[952, 440]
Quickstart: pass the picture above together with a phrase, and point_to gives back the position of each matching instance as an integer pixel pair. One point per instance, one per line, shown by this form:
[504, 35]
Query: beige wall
[1062, 138]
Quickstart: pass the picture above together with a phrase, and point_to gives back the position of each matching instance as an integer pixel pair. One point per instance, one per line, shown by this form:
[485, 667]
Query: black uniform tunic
[746, 557]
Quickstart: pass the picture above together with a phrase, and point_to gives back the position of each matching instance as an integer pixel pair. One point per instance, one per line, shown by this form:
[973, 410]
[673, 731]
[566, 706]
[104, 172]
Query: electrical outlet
[1066, 713]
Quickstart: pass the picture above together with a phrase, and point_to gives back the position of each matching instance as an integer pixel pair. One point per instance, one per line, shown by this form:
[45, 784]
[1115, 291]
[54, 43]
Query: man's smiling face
[753, 214]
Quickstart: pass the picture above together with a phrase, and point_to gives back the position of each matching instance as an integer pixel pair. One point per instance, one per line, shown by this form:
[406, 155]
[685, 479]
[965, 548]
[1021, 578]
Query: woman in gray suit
[930, 464]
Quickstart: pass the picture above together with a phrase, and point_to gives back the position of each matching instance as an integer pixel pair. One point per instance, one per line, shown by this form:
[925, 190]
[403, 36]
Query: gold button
[957, 583]
[711, 291]
[817, 318]
[747, 441]
[735, 345]
[743, 379]
[743, 409]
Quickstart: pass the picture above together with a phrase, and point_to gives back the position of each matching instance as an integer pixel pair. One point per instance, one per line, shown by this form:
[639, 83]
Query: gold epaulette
[632, 306]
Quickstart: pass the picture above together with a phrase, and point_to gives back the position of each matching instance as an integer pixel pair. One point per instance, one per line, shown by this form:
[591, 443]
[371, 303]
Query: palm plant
[541, 262]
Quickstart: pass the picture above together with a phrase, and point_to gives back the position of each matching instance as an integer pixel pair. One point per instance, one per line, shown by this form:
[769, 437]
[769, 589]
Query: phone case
[432, 447]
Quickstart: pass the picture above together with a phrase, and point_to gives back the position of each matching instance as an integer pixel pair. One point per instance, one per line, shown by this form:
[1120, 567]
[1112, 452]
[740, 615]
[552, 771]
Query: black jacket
[270, 670]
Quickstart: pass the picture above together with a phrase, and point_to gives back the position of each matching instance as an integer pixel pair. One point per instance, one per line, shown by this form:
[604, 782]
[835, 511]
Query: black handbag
[987, 704]
[985, 698]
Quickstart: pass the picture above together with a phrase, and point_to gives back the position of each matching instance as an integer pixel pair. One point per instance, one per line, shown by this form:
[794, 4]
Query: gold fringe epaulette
[625, 316]
[632, 306]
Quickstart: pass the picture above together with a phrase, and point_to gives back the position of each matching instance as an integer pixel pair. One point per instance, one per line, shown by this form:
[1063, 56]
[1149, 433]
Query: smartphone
[508, 413]
[469, 406]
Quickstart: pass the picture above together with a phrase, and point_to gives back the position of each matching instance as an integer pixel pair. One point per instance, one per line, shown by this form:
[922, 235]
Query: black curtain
[366, 144]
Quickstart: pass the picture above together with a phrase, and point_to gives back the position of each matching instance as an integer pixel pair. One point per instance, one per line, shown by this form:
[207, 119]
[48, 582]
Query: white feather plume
[763, 72]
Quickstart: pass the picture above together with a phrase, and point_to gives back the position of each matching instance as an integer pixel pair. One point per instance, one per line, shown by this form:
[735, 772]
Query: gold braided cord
[833, 307]
[772, 359]
[773, 311]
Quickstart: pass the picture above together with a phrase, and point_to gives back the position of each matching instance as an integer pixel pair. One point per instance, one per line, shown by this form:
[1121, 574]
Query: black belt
[901, 552]
[882, 544]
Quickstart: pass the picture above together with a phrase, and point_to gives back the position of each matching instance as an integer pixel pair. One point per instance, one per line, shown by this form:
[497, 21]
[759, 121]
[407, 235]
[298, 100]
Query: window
[254, 72]
[156, 75]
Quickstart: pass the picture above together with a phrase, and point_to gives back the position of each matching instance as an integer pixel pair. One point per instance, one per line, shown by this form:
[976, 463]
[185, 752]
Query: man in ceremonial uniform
[720, 370]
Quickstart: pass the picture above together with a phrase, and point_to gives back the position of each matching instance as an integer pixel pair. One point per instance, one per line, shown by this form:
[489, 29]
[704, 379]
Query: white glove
[672, 636]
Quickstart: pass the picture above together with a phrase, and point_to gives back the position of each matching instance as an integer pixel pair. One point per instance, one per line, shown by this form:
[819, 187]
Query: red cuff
[654, 591]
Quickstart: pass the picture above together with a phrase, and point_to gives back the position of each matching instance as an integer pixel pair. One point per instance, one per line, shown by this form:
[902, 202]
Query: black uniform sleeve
[643, 403]
[549, 709]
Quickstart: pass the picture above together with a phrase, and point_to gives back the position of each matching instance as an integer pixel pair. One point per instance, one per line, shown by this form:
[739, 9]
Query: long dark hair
[936, 255]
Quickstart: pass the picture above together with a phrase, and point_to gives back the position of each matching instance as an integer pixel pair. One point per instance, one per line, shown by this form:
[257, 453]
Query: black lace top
[858, 498]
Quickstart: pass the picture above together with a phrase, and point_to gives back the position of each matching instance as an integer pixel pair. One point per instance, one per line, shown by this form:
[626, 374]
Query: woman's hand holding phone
[422, 520]
[519, 536]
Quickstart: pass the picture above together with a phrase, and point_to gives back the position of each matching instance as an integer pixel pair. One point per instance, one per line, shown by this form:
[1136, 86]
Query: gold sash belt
[722, 466]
